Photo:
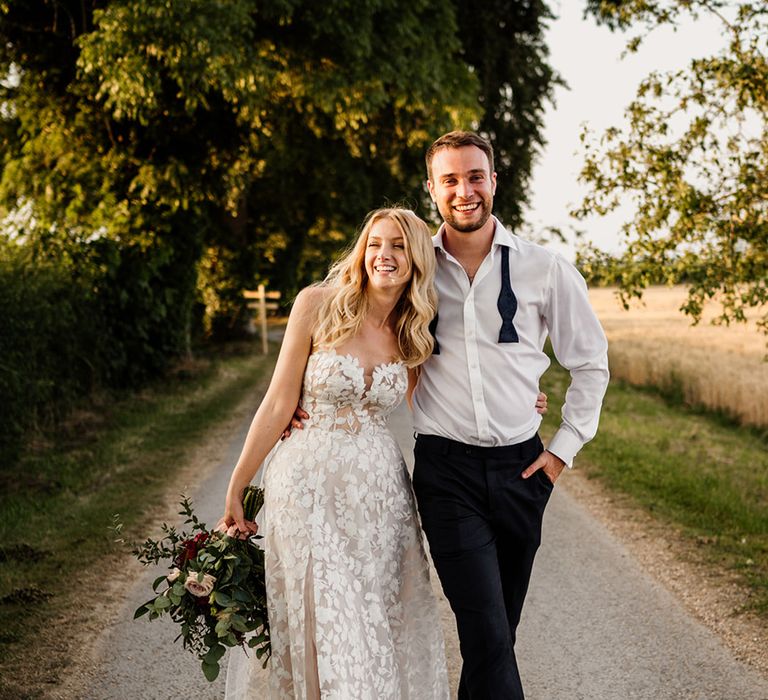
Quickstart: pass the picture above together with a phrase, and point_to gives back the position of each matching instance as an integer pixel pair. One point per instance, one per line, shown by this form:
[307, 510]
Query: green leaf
[215, 653]
[222, 627]
[241, 595]
[259, 639]
[162, 602]
[238, 622]
[224, 600]
[210, 670]
[143, 610]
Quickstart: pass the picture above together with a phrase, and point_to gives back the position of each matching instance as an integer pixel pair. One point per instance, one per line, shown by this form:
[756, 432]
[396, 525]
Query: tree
[149, 129]
[503, 42]
[499, 45]
[242, 141]
[694, 160]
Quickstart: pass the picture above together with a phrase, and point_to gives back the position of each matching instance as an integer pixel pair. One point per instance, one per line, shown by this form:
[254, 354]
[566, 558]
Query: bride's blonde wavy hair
[341, 313]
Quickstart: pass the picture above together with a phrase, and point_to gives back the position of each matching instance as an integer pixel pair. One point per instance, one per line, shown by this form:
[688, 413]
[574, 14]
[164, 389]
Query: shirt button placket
[473, 366]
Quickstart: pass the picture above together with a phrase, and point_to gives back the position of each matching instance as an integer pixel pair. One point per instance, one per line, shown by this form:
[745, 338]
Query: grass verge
[693, 471]
[56, 504]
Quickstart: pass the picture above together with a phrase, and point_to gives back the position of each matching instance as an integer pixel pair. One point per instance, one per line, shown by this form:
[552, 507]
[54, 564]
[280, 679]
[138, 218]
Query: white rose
[175, 573]
[199, 589]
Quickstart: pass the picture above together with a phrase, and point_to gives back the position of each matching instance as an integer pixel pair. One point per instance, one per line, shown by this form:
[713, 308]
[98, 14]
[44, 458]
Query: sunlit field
[717, 367]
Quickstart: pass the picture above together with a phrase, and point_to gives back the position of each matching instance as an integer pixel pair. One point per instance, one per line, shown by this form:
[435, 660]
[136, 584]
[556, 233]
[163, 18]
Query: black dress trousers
[483, 524]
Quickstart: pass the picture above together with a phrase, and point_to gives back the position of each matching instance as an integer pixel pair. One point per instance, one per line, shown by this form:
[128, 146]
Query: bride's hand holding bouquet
[239, 513]
[215, 589]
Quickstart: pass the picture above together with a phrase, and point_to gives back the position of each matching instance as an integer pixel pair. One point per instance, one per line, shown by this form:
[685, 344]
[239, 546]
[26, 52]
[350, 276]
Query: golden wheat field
[653, 344]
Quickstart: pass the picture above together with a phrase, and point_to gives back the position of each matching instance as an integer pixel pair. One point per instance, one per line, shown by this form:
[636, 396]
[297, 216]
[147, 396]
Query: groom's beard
[483, 213]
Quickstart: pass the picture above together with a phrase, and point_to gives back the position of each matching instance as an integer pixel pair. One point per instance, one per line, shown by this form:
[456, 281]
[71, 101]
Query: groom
[482, 477]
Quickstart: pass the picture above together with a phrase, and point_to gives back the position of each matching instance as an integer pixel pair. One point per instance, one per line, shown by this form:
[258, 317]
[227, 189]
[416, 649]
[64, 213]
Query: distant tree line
[158, 157]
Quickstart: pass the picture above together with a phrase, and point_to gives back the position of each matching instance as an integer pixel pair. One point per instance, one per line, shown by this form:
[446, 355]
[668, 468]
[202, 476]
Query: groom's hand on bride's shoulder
[297, 422]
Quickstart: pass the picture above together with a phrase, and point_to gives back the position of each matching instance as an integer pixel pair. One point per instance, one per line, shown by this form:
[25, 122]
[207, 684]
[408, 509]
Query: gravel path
[595, 626]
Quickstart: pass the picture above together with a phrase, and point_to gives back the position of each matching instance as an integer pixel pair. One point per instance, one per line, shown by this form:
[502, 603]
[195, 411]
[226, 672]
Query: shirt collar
[500, 237]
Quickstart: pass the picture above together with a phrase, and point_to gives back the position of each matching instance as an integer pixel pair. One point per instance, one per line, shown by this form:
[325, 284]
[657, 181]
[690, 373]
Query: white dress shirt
[482, 392]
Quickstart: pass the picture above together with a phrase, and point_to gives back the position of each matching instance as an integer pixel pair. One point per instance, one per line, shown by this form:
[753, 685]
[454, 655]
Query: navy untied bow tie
[506, 304]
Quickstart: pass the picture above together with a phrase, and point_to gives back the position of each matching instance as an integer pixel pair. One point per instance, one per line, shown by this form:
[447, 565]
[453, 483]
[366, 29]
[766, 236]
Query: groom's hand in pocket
[550, 463]
[297, 422]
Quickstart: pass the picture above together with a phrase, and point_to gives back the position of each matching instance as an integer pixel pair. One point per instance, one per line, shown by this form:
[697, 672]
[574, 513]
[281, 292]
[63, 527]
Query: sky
[601, 84]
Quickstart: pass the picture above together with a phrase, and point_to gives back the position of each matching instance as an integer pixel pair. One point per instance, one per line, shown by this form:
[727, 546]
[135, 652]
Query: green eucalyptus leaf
[210, 670]
[222, 627]
[143, 610]
[162, 603]
[223, 599]
[218, 651]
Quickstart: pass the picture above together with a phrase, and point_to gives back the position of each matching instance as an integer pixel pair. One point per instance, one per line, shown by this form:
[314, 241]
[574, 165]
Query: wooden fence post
[257, 299]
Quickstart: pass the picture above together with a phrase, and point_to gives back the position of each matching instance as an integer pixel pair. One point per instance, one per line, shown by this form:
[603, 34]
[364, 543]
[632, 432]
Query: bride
[351, 609]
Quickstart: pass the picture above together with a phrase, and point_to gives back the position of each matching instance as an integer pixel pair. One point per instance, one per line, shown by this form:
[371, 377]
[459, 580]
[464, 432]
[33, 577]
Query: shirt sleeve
[580, 347]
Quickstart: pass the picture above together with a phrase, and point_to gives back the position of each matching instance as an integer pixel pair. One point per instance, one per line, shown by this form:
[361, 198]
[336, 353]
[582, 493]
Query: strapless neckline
[354, 359]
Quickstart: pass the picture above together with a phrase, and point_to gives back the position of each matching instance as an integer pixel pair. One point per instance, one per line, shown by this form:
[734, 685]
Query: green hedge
[50, 345]
[146, 296]
[110, 316]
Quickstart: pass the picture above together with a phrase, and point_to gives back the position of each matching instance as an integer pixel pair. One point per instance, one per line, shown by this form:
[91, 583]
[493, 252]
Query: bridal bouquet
[215, 588]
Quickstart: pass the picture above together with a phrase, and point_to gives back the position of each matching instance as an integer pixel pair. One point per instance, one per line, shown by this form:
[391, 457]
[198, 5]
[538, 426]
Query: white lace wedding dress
[351, 610]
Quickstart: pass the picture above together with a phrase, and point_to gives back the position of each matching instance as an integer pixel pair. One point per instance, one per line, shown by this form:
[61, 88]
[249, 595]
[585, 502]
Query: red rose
[192, 547]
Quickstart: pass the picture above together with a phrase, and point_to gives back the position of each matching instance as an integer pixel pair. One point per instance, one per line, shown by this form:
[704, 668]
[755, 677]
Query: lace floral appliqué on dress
[351, 610]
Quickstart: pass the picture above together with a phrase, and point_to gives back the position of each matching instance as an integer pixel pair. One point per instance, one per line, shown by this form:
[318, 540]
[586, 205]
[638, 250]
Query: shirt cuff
[565, 445]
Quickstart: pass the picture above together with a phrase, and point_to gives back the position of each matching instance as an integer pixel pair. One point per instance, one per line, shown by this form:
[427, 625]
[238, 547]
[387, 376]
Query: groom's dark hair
[457, 139]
